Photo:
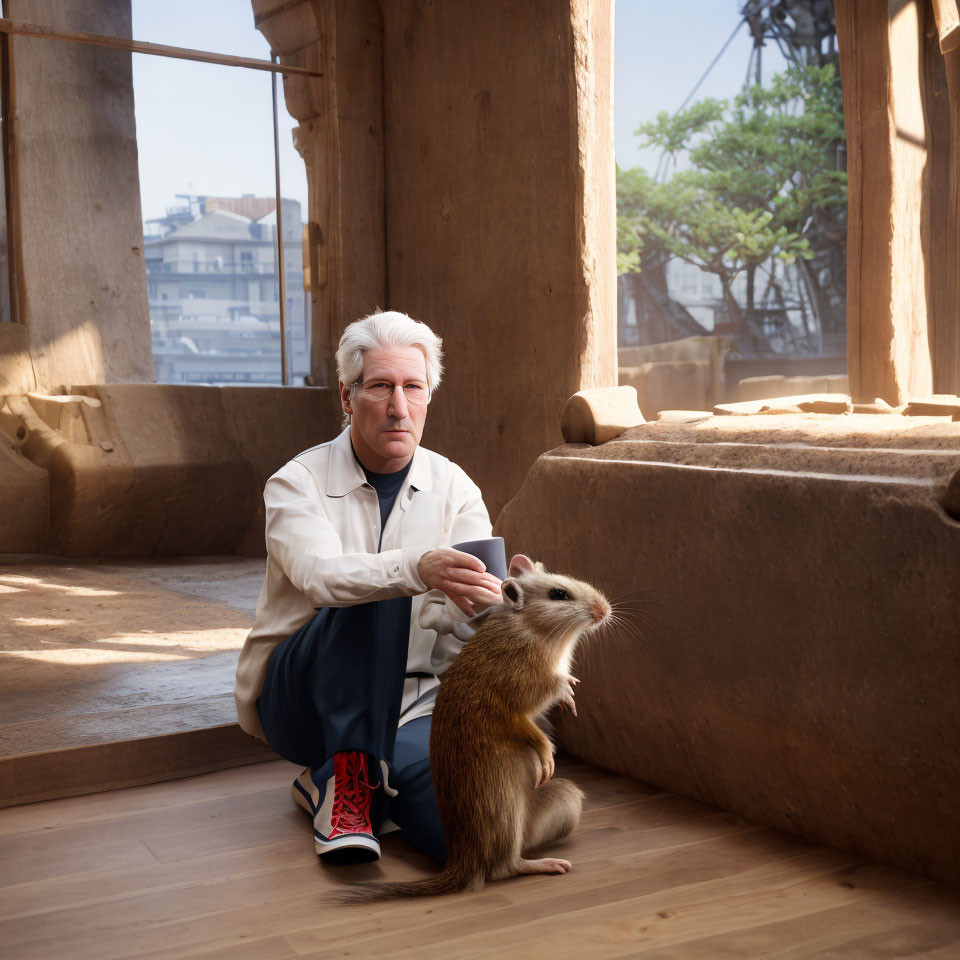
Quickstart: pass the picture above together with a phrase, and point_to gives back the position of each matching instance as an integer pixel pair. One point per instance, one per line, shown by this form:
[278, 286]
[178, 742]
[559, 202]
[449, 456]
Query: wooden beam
[153, 49]
[948, 24]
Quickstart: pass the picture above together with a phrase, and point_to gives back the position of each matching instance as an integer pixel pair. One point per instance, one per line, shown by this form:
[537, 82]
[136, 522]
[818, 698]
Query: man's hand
[461, 577]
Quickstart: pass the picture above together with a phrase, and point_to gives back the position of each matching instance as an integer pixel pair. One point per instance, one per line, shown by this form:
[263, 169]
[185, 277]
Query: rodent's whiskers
[636, 628]
[625, 616]
[631, 599]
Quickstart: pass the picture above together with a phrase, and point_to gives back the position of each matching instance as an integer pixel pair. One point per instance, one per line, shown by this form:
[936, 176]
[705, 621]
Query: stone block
[596, 416]
[826, 406]
[790, 646]
[682, 416]
[942, 405]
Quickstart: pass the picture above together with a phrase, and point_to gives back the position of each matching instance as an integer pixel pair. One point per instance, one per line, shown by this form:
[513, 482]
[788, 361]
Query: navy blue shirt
[387, 486]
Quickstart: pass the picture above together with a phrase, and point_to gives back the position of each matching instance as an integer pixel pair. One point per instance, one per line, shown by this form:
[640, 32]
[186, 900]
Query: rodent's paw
[567, 701]
[547, 767]
[571, 680]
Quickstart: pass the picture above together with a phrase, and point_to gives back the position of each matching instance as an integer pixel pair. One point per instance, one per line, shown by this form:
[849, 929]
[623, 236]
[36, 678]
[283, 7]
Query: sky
[207, 129]
[203, 128]
[661, 50]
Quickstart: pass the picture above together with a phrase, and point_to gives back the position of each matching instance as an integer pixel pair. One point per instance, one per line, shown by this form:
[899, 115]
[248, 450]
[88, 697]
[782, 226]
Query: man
[340, 671]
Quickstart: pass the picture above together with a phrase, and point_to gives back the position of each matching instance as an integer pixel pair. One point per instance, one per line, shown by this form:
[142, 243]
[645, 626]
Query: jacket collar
[344, 473]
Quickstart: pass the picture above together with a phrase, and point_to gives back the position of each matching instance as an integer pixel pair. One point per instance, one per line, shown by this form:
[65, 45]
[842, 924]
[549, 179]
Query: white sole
[350, 841]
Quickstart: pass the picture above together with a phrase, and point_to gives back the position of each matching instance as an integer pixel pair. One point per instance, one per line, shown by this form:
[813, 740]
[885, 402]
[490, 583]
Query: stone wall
[496, 179]
[141, 470]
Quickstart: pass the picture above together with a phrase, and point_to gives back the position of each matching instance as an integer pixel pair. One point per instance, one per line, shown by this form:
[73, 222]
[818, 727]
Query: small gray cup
[490, 551]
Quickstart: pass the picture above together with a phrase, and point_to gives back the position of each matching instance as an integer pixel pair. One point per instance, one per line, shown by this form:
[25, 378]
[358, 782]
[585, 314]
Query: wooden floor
[222, 866]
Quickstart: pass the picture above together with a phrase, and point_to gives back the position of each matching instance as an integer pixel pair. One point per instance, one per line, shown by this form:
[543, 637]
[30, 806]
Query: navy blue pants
[336, 684]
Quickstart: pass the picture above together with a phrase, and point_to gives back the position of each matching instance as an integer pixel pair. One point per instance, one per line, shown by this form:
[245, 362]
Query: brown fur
[488, 756]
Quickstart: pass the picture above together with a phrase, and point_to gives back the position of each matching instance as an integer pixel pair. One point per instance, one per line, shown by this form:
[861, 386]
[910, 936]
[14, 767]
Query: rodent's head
[552, 604]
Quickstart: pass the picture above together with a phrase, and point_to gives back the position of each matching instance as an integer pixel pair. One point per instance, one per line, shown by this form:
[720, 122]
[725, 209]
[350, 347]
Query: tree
[765, 187]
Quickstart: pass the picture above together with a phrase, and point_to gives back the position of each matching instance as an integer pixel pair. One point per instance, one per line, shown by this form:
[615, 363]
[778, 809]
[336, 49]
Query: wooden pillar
[887, 346]
[340, 137]
[946, 342]
[902, 108]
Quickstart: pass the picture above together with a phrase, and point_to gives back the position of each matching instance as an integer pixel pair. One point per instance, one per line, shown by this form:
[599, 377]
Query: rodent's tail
[452, 879]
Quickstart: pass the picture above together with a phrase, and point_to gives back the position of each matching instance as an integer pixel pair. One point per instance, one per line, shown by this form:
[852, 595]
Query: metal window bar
[281, 264]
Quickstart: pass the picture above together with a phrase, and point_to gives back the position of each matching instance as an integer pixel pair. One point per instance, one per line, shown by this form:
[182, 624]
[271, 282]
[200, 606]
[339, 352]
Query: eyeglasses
[379, 390]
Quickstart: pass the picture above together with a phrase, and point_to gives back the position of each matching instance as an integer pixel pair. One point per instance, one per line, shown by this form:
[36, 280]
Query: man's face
[385, 433]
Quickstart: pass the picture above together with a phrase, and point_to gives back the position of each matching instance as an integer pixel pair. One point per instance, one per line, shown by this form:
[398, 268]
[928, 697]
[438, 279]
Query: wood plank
[881, 927]
[62, 863]
[235, 876]
[71, 811]
[33, 899]
[43, 31]
[606, 929]
[270, 948]
[264, 803]
[239, 903]
[612, 881]
[208, 840]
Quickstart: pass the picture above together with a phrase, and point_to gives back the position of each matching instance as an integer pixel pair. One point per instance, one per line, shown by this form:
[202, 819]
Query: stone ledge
[122, 672]
[93, 768]
[790, 647]
[150, 469]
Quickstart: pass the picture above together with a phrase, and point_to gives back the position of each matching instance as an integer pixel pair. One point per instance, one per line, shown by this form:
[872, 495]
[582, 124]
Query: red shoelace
[353, 795]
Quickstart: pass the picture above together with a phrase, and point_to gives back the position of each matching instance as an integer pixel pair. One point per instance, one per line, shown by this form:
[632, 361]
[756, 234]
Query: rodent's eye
[557, 594]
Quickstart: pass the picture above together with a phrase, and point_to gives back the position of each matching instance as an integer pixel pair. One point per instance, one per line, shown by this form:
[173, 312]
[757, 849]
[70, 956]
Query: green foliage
[765, 177]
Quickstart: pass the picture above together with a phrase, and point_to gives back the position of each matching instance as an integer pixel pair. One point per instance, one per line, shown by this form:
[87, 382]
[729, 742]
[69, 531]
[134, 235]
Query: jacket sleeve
[303, 542]
[472, 522]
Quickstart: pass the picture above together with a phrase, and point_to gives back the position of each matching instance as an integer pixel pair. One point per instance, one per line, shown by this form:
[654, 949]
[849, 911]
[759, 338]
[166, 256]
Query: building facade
[214, 291]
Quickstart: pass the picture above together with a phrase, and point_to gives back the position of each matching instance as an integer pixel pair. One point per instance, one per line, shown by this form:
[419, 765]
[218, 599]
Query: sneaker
[310, 787]
[305, 791]
[342, 821]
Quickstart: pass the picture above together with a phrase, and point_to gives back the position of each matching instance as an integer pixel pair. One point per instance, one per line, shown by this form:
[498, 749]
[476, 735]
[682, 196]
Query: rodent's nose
[601, 609]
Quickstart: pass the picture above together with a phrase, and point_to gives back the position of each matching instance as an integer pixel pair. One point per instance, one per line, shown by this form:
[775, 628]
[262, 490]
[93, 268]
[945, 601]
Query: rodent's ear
[520, 564]
[512, 593]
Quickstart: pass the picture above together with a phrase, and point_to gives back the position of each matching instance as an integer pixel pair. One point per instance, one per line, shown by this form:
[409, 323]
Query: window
[209, 180]
[731, 229]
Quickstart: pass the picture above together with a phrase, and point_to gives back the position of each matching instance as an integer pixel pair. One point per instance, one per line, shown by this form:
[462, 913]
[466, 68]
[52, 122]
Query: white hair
[380, 331]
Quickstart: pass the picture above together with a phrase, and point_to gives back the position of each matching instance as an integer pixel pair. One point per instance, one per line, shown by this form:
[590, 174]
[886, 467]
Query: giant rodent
[491, 763]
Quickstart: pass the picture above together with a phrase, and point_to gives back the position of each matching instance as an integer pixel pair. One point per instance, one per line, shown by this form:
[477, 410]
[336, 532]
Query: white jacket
[322, 530]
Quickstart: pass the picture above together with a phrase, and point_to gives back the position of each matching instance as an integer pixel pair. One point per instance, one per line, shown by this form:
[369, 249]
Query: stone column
[77, 227]
[461, 169]
[500, 203]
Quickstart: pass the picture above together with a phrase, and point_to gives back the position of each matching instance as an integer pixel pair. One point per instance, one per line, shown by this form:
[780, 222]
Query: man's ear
[345, 398]
[520, 564]
[512, 593]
